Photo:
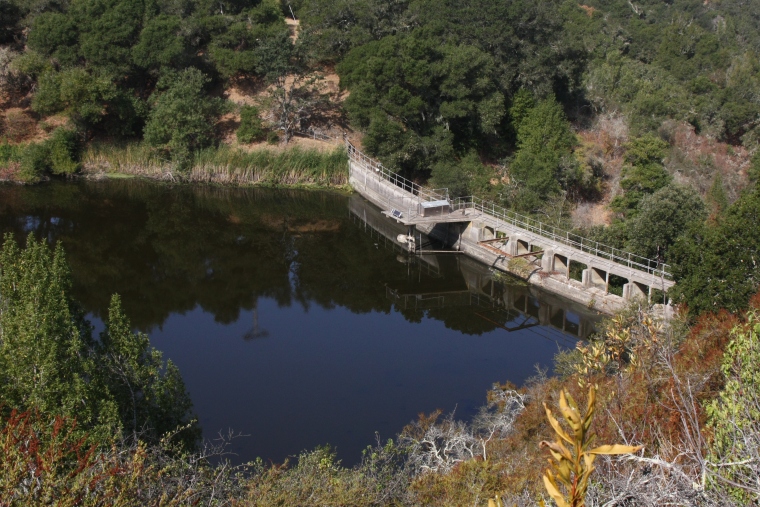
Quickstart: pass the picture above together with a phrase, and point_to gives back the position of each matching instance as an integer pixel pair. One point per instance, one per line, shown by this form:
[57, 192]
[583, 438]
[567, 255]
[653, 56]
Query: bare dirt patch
[696, 159]
[326, 116]
[294, 26]
[589, 214]
[601, 150]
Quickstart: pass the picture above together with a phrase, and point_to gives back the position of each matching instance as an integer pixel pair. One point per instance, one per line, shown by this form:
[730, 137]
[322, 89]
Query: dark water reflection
[292, 315]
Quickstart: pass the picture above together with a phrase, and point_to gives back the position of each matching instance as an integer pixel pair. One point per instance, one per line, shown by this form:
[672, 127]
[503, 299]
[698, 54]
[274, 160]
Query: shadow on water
[294, 316]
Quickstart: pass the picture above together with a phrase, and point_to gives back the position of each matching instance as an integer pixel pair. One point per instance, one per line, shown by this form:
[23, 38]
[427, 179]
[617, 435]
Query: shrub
[9, 153]
[754, 170]
[251, 129]
[58, 155]
[572, 467]
[64, 151]
[45, 461]
[734, 416]
[17, 126]
[34, 162]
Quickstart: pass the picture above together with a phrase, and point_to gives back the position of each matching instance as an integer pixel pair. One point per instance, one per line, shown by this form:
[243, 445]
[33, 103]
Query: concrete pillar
[544, 314]
[474, 232]
[512, 244]
[633, 290]
[597, 278]
[586, 278]
[509, 299]
[547, 261]
[561, 264]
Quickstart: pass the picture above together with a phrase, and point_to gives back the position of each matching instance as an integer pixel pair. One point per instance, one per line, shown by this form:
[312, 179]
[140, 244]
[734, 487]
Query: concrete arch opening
[595, 277]
[635, 290]
[576, 270]
[561, 264]
[615, 285]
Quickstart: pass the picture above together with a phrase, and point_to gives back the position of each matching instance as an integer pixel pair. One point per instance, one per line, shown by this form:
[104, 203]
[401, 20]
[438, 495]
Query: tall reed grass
[224, 165]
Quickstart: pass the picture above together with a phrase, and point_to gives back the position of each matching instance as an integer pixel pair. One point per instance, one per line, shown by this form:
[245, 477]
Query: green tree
[55, 34]
[161, 44]
[644, 173]
[88, 99]
[49, 362]
[522, 103]
[45, 358]
[464, 176]
[661, 218]
[716, 266]
[150, 394]
[107, 31]
[543, 164]
[183, 116]
[335, 27]
[420, 100]
[246, 40]
[10, 15]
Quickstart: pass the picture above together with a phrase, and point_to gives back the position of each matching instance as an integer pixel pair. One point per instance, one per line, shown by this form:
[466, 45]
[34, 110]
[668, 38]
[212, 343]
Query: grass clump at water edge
[224, 165]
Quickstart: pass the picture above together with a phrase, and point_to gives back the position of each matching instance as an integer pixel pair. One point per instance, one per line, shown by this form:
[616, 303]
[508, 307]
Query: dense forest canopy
[540, 106]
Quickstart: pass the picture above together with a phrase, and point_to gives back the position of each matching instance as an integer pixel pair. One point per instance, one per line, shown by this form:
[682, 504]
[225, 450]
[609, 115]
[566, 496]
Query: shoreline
[175, 179]
[291, 168]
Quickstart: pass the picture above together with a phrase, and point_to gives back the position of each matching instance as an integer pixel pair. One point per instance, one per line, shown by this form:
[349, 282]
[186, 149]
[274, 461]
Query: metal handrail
[424, 193]
[314, 134]
[492, 211]
[631, 260]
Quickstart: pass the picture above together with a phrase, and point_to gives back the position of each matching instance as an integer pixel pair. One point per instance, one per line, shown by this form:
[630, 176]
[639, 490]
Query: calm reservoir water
[292, 316]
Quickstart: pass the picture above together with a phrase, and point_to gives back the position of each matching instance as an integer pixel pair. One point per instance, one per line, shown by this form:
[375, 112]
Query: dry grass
[224, 165]
[18, 126]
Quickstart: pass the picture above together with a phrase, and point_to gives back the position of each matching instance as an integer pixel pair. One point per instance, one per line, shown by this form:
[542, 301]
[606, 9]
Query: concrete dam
[509, 242]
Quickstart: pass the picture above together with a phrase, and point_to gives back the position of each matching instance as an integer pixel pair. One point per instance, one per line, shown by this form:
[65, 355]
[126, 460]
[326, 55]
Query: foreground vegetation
[103, 422]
